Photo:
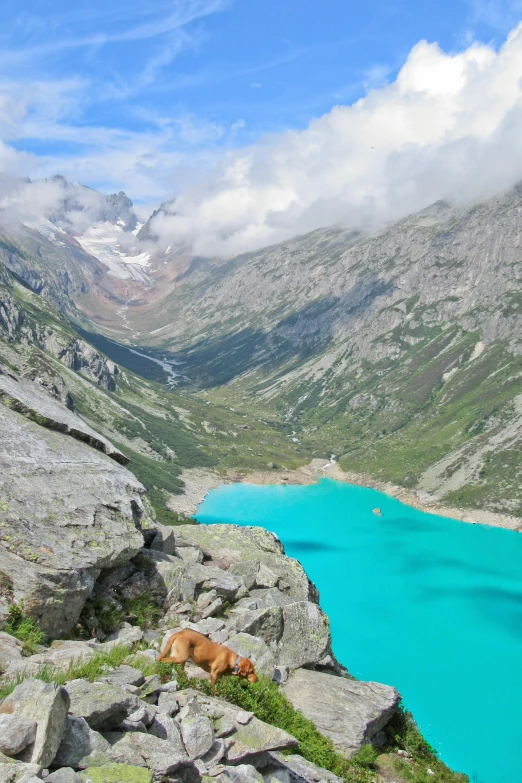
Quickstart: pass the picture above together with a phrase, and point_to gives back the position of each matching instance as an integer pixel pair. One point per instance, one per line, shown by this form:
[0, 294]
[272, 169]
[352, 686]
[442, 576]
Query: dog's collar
[236, 665]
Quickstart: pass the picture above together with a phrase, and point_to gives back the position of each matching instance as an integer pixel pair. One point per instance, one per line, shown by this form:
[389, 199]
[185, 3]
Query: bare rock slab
[346, 711]
[81, 746]
[48, 703]
[144, 750]
[103, 705]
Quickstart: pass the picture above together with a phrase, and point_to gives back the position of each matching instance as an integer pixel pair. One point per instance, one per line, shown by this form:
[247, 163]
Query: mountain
[399, 352]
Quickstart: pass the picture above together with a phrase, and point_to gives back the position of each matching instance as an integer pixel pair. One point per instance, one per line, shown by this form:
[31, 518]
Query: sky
[259, 116]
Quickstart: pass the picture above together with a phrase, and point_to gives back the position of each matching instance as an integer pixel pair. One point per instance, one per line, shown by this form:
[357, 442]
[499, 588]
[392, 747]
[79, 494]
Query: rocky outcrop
[67, 510]
[349, 712]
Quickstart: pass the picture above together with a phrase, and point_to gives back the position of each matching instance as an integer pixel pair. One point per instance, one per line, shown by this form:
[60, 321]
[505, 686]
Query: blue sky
[149, 95]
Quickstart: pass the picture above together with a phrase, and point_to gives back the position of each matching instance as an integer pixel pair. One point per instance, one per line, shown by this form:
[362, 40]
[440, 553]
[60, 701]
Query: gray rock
[168, 704]
[145, 713]
[127, 635]
[198, 735]
[151, 685]
[227, 544]
[17, 771]
[81, 746]
[165, 727]
[256, 650]
[145, 750]
[10, 650]
[206, 627]
[59, 656]
[349, 712]
[124, 675]
[270, 597]
[132, 725]
[212, 608]
[16, 733]
[103, 705]
[248, 740]
[299, 769]
[247, 570]
[190, 554]
[32, 401]
[49, 703]
[266, 624]
[163, 541]
[61, 526]
[205, 599]
[280, 674]
[241, 773]
[63, 775]
[306, 635]
[215, 754]
[225, 726]
[265, 577]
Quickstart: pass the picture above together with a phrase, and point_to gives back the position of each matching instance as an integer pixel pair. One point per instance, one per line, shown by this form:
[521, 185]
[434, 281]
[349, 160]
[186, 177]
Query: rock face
[46, 702]
[132, 727]
[67, 511]
[103, 705]
[349, 712]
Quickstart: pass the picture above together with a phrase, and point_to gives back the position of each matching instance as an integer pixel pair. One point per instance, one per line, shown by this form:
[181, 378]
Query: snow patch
[106, 242]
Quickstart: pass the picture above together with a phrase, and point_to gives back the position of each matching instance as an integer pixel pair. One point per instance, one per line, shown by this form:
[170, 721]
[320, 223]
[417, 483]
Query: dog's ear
[245, 668]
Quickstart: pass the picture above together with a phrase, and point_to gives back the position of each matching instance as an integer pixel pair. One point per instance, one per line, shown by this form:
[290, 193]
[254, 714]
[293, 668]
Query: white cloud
[448, 127]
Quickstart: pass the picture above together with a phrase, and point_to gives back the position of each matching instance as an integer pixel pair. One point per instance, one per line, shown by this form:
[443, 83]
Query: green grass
[24, 628]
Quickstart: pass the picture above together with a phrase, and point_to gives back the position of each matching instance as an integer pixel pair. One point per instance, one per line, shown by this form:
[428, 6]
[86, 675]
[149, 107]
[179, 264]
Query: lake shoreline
[199, 482]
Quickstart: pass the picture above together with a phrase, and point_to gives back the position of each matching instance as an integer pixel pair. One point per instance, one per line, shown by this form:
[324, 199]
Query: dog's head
[246, 670]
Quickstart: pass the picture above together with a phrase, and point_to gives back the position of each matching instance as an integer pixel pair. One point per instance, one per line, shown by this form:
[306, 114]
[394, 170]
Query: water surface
[427, 604]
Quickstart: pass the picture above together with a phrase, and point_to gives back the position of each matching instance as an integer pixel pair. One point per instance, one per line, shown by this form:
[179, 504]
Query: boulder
[48, 703]
[241, 773]
[61, 526]
[228, 544]
[16, 733]
[198, 735]
[163, 540]
[103, 705]
[348, 712]
[306, 635]
[81, 746]
[124, 675]
[63, 775]
[247, 570]
[166, 728]
[127, 635]
[116, 773]
[298, 769]
[60, 656]
[206, 627]
[266, 624]
[249, 739]
[10, 650]
[29, 399]
[256, 650]
[168, 704]
[17, 771]
[144, 750]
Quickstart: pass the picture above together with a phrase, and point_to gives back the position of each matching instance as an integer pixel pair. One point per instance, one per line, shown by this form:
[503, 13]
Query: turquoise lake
[427, 604]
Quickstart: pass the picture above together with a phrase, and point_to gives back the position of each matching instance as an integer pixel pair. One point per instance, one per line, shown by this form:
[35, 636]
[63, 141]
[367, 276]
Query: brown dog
[214, 658]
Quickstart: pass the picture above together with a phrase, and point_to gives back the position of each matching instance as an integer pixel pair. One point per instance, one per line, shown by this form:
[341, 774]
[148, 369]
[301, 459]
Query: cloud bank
[449, 126]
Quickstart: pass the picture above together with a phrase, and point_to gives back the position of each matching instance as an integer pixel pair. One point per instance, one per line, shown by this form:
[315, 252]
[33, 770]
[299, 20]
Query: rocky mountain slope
[82, 555]
[398, 352]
